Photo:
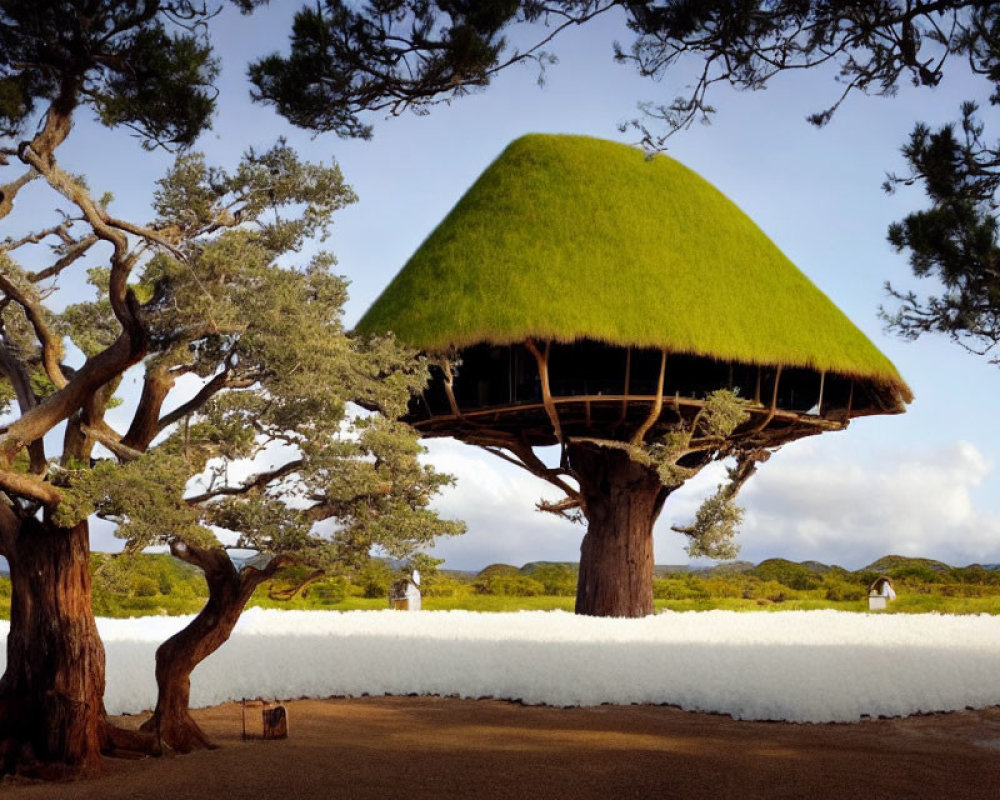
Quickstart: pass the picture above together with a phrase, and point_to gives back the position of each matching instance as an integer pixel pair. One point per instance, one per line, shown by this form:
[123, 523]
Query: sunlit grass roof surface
[569, 237]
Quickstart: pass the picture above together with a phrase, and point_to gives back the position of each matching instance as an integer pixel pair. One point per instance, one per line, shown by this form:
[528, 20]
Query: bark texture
[228, 593]
[52, 693]
[622, 499]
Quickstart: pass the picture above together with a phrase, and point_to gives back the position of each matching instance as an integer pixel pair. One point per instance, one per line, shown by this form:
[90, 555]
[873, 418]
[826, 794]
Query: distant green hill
[789, 573]
[535, 566]
[905, 566]
[503, 570]
[820, 567]
[727, 567]
[784, 570]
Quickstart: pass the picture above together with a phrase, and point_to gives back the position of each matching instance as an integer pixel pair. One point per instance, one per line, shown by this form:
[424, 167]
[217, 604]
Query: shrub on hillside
[329, 590]
[788, 573]
[375, 579]
[841, 592]
[680, 587]
[558, 579]
[144, 586]
[917, 573]
[444, 586]
[509, 585]
[720, 586]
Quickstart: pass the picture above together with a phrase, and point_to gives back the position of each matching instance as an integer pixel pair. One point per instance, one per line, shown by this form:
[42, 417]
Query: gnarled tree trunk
[52, 692]
[228, 593]
[52, 718]
[622, 499]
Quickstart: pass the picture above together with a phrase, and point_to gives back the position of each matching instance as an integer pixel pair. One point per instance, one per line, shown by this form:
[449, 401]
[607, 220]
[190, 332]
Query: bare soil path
[431, 747]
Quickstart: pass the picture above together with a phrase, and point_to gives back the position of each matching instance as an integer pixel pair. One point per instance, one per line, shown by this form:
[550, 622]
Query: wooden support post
[449, 381]
[654, 415]
[756, 391]
[427, 406]
[822, 384]
[774, 403]
[543, 376]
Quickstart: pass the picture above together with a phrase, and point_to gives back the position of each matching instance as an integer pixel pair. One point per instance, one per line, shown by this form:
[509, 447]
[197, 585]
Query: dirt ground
[432, 747]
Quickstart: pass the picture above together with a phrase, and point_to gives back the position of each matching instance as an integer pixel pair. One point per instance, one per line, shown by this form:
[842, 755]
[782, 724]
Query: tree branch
[37, 237]
[524, 457]
[215, 385]
[29, 487]
[290, 592]
[104, 434]
[563, 508]
[205, 558]
[51, 346]
[75, 252]
[145, 423]
[16, 372]
[60, 405]
[149, 234]
[97, 218]
[9, 191]
[251, 484]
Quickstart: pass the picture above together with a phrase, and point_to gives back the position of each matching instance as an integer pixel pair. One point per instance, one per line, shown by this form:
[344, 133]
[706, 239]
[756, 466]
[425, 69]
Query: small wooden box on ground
[274, 720]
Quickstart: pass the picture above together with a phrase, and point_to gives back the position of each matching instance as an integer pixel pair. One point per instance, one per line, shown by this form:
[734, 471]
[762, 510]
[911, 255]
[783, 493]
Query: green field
[158, 584]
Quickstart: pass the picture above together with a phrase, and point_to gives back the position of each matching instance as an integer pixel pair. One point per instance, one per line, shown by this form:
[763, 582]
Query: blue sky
[924, 483]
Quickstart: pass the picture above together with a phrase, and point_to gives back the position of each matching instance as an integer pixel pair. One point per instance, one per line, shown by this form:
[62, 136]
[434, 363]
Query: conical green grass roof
[568, 238]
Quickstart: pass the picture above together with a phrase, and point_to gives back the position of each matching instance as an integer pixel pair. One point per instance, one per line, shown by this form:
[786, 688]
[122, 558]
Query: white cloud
[917, 502]
[497, 503]
[834, 501]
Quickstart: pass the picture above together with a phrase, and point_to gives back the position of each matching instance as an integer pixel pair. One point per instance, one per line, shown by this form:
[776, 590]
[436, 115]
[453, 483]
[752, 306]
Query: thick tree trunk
[622, 500]
[52, 692]
[176, 658]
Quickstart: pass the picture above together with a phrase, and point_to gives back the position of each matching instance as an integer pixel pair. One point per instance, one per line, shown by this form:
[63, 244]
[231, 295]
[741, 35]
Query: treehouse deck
[544, 391]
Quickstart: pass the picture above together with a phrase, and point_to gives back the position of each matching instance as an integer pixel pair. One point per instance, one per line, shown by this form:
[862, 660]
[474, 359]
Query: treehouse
[585, 295]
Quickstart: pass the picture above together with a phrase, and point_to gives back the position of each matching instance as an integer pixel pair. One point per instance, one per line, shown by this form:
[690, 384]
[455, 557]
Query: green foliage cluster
[558, 580]
[509, 586]
[347, 58]
[142, 68]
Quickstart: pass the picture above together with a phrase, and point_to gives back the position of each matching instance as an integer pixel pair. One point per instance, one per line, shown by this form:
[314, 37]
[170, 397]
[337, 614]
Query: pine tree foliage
[275, 373]
[347, 59]
[955, 240]
[718, 519]
[144, 64]
[385, 55]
